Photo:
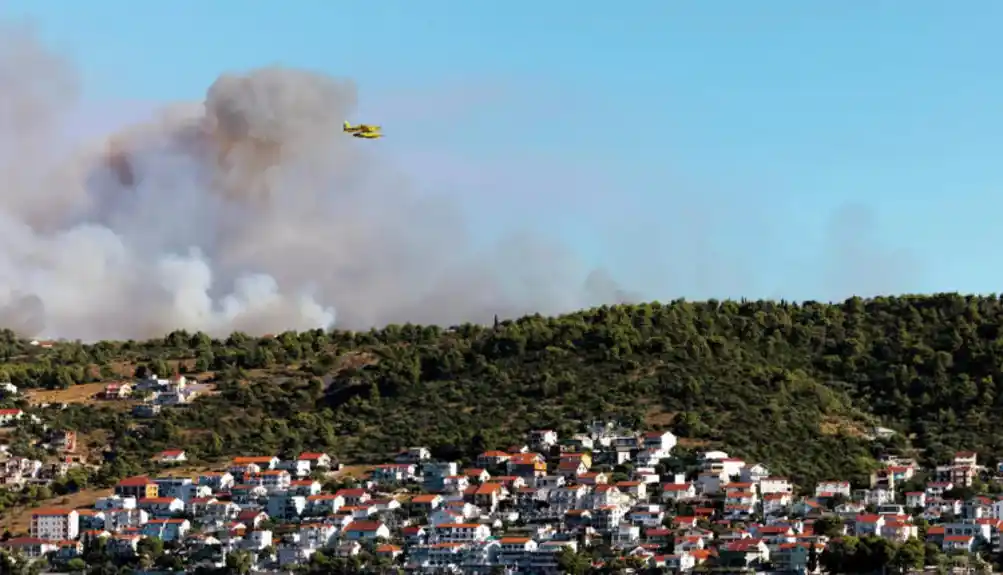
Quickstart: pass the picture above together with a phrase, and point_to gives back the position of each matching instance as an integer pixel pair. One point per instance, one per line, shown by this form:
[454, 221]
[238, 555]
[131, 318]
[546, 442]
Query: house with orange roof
[9, 416]
[571, 467]
[685, 542]
[681, 562]
[568, 497]
[959, 543]
[140, 487]
[354, 496]
[634, 489]
[316, 459]
[488, 496]
[678, 491]
[527, 465]
[460, 533]
[366, 531]
[414, 535]
[477, 475]
[426, 503]
[584, 456]
[899, 528]
[274, 480]
[388, 551]
[242, 464]
[517, 553]
[658, 535]
[605, 494]
[776, 503]
[868, 524]
[305, 487]
[774, 533]
[252, 517]
[324, 503]
[684, 521]
[115, 391]
[492, 459]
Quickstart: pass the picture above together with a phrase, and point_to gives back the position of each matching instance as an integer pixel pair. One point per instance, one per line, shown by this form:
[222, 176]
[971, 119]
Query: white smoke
[249, 212]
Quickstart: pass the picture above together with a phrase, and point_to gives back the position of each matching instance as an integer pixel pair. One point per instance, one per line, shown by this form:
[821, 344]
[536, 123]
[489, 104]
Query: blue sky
[722, 148]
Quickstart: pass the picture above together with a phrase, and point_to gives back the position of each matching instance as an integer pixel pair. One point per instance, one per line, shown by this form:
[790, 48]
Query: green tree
[239, 563]
[572, 562]
[828, 525]
[910, 555]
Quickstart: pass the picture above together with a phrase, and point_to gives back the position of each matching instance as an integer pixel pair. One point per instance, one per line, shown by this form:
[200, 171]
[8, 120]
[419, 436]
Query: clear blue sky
[718, 148]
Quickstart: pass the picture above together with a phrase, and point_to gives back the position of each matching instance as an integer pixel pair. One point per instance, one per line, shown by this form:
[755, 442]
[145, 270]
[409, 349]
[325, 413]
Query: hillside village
[522, 509]
[147, 395]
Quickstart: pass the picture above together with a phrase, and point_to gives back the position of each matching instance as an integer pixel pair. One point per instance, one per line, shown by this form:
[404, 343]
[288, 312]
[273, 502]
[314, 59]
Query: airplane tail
[348, 126]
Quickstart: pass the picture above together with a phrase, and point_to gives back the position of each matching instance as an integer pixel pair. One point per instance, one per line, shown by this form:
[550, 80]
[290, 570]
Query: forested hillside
[797, 386]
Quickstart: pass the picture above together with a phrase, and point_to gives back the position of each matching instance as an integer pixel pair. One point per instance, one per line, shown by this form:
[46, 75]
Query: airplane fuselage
[362, 128]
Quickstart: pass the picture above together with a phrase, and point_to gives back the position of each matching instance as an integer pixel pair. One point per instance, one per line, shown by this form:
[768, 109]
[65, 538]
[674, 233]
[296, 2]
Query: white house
[167, 529]
[316, 459]
[678, 491]
[830, 488]
[55, 524]
[172, 456]
[461, 532]
[775, 485]
[366, 530]
[915, 499]
[543, 437]
[662, 441]
[8, 416]
[755, 473]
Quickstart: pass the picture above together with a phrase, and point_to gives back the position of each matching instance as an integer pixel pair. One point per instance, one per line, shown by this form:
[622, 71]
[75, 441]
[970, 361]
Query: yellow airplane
[362, 130]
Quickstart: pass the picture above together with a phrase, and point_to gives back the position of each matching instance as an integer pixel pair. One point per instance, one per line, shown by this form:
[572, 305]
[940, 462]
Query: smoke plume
[251, 211]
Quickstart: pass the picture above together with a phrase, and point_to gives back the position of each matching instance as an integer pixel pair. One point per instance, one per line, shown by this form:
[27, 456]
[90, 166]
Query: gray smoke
[251, 211]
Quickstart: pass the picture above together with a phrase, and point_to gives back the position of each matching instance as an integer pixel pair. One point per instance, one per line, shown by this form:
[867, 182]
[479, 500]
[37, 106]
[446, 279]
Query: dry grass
[17, 519]
[691, 443]
[658, 418]
[83, 393]
[839, 425]
[353, 472]
[355, 360]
